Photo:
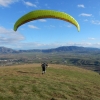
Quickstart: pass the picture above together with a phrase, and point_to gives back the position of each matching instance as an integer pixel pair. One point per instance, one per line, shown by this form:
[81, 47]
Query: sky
[50, 33]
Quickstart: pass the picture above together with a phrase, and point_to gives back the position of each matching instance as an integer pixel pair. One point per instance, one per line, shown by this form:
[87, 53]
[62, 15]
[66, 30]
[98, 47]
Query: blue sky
[50, 33]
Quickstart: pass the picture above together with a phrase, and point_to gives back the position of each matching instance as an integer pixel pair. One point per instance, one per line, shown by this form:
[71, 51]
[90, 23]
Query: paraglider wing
[40, 14]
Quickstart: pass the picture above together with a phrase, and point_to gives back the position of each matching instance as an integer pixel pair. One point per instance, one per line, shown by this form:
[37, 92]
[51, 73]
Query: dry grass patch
[25, 82]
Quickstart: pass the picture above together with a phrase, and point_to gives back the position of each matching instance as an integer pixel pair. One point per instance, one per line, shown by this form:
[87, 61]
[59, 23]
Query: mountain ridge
[58, 49]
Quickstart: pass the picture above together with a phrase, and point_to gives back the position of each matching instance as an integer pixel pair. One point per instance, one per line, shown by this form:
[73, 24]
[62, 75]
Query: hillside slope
[25, 82]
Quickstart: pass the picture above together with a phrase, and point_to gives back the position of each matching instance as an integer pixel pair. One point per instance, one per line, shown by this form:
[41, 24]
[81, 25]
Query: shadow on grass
[27, 72]
[30, 73]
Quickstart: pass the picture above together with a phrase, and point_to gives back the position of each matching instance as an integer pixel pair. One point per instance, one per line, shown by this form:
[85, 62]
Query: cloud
[30, 4]
[47, 5]
[83, 44]
[86, 20]
[36, 45]
[42, 20]
[6, 3]
[91, 38]
[33, 27]
[11, 39]
[37, 1]
[9, 36]
[69, 25]
[97, 22]
[52, 26]
[85, 15]
[81, 6]
[14, 40]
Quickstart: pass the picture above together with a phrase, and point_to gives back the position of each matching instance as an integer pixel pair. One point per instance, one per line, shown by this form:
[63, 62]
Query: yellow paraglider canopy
[40, 14]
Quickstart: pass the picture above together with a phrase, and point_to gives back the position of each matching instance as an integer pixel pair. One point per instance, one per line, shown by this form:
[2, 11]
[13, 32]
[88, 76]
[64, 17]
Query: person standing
[44, 66]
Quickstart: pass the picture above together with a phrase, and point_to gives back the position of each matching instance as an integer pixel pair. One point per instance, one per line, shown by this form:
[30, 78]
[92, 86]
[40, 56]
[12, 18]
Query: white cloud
[86, 15]
[36, 45]
[81, 6]
[47, 5]
[6, 3]
[69, 25]
[9, 36]
[33, 27]
[83, 44]
[86, 20]
[37, 1]
[30, 4]
[91, 38]
[97, 22]
[52, 26]
[42, 20]
[11, 39]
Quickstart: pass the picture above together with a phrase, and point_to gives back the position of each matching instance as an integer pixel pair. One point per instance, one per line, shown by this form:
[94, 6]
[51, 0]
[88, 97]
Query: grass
[25, 82]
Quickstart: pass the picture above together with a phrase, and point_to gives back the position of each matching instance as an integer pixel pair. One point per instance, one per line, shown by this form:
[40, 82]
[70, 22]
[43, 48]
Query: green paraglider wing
[40, 14]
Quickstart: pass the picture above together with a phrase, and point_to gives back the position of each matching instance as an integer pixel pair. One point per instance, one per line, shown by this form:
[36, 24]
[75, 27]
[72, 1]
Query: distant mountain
[72, 49]
[7, 50]
[59, 49]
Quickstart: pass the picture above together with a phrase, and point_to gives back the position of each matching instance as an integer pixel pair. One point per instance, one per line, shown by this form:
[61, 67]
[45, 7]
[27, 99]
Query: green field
[61, 82]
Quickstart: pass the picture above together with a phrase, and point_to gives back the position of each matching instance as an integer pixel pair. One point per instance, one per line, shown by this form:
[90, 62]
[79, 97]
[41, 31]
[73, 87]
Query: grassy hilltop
[25, 82]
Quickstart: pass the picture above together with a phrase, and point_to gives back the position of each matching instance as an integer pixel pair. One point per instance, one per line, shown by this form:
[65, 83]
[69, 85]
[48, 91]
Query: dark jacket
[44, 65]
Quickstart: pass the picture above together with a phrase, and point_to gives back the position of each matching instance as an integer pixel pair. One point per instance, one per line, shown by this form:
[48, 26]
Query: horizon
[49, 48]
